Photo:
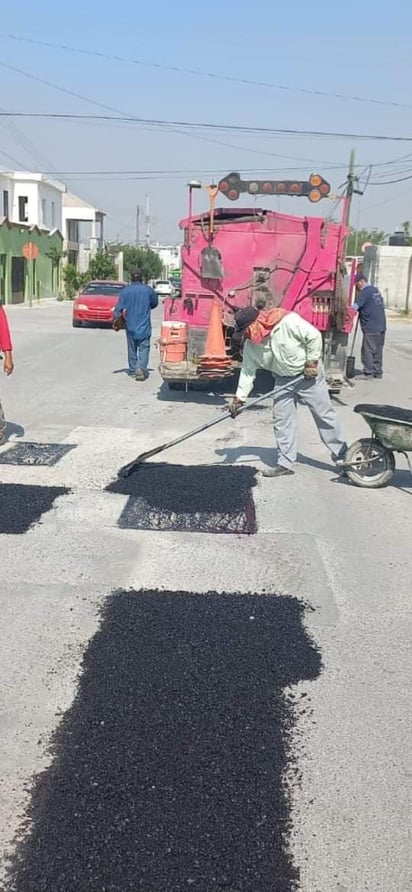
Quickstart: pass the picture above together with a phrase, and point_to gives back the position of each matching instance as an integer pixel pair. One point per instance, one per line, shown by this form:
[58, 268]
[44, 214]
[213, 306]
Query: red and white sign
[30, 251]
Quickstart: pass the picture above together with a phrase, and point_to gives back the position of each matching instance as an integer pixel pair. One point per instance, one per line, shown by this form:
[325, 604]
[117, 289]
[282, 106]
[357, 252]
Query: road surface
[241, 716]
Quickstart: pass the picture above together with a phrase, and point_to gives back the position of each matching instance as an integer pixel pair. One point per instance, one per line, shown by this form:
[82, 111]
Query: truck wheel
[373, 464]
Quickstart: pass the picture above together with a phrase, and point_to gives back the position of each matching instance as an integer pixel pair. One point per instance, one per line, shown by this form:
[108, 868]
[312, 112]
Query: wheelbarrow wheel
[373, 464]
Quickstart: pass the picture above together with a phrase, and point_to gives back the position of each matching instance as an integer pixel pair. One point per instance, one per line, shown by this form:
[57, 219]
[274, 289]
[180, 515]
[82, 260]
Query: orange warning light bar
[315, 188]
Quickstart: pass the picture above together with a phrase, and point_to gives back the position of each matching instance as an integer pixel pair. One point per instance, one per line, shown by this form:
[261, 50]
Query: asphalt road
[316, 699]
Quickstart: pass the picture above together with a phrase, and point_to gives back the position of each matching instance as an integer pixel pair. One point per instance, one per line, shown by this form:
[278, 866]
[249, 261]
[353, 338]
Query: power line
[206, 74]
[12, 159]
[184, 172]
[119, 112]
[390, 182]
[207, 125]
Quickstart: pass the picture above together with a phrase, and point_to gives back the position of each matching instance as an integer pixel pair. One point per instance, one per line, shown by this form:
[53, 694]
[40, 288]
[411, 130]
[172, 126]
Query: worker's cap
[360, 278]
[245, 317]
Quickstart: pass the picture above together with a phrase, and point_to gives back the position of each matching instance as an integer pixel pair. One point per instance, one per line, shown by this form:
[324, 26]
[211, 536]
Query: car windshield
[106, 288]
[162, 282]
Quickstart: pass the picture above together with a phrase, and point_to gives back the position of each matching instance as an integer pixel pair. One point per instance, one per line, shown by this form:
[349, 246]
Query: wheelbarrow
[370, 462]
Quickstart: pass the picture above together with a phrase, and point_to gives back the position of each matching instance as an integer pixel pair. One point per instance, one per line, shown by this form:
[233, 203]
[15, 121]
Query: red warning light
[267, 188]
[296, 188]
[314, 195]
[233, 194]
[315, 180]
[280, 187]
[224, 186]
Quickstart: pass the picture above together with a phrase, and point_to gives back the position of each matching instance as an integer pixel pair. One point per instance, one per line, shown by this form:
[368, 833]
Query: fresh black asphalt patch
[35, 453]
[193, 498]
[168, 771]
[22, 506]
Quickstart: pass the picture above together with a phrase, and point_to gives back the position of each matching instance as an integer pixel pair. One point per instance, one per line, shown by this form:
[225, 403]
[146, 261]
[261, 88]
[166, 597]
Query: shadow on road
[213, 392]
[13, 431]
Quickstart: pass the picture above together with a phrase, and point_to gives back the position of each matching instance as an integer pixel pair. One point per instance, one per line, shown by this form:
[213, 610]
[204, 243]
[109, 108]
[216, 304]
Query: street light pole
[193, 184]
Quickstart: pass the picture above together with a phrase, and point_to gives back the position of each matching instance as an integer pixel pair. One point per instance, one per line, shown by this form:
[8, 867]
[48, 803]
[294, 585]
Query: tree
[101, 266]
[141, 258]
[406, 226]
[71, 280]
[358, 237]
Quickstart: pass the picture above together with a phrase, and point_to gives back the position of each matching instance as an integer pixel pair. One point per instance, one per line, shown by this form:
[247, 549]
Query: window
[5, 203]
[43, 212]
[53, 214]
[107, 290]
[23, 201]
[72, 231]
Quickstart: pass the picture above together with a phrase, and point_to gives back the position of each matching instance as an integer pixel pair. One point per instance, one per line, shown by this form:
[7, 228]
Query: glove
[235, 406]
[311, 369]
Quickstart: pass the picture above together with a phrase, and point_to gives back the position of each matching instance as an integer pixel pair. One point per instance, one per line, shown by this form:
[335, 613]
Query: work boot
[277, 471]
[140, 375]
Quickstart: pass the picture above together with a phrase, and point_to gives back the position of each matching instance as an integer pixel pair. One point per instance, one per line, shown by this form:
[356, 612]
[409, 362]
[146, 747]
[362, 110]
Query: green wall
[46, 275]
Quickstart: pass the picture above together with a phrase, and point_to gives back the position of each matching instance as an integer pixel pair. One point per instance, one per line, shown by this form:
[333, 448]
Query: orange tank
[173, 341]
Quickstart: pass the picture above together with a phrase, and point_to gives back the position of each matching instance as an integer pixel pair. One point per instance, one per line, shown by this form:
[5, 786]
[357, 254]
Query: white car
[163, 287]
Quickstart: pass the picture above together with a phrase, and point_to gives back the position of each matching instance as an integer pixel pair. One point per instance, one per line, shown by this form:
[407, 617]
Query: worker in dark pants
[372, 318]
[135, 304]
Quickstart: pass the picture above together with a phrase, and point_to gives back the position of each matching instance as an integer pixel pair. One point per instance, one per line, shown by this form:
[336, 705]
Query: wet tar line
[193, 498]
[22, 506]
[44, 454]
[168, 769]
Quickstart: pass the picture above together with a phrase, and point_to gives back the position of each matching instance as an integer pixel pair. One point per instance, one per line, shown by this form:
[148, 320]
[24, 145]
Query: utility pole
[137, 225]
[147, 221]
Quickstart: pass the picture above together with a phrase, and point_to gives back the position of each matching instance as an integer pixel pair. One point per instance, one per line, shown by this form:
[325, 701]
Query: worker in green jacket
[286, 345]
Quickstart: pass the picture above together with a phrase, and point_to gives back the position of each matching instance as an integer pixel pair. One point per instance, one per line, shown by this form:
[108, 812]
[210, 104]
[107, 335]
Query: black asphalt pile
[167, 772]
[35, 454]
[21, 506]
[393, 412]
[199, 498]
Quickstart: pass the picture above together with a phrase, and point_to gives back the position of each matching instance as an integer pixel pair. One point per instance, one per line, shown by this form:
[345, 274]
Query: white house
[77, 216]
[31, 198]
[38, 200]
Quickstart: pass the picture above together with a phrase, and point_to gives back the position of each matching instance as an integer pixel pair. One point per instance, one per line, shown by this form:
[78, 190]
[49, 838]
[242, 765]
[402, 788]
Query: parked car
[176, 285]
[163, 287]
[96, 302]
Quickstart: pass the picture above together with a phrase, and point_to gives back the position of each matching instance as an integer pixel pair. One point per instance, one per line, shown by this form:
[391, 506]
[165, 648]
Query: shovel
[133, 465]
[350, 361]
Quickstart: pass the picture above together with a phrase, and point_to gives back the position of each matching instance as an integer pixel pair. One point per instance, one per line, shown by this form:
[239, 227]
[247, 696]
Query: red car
[96, 302]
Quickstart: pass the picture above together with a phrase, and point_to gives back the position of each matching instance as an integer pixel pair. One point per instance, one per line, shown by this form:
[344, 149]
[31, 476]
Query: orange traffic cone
[215, 359]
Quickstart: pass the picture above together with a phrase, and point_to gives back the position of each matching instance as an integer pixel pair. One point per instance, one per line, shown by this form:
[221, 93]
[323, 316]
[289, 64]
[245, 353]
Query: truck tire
[374, 464]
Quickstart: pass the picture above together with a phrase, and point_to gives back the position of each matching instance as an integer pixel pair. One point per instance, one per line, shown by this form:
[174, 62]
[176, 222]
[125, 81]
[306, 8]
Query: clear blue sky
[352, 48]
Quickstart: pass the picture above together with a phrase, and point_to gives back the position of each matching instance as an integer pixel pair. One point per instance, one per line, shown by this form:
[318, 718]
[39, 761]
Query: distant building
[389, 267]
[78, 215]
[170, 257]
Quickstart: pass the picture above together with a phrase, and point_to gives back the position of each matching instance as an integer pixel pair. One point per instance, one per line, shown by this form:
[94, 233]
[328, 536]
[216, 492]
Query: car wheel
[76, 323]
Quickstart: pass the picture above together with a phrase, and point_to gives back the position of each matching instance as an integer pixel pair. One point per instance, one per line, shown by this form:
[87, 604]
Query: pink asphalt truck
[232, 255]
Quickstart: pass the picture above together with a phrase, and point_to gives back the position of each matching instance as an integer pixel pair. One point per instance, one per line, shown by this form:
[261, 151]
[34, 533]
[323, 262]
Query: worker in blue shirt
[135, 304]
[370, 306]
